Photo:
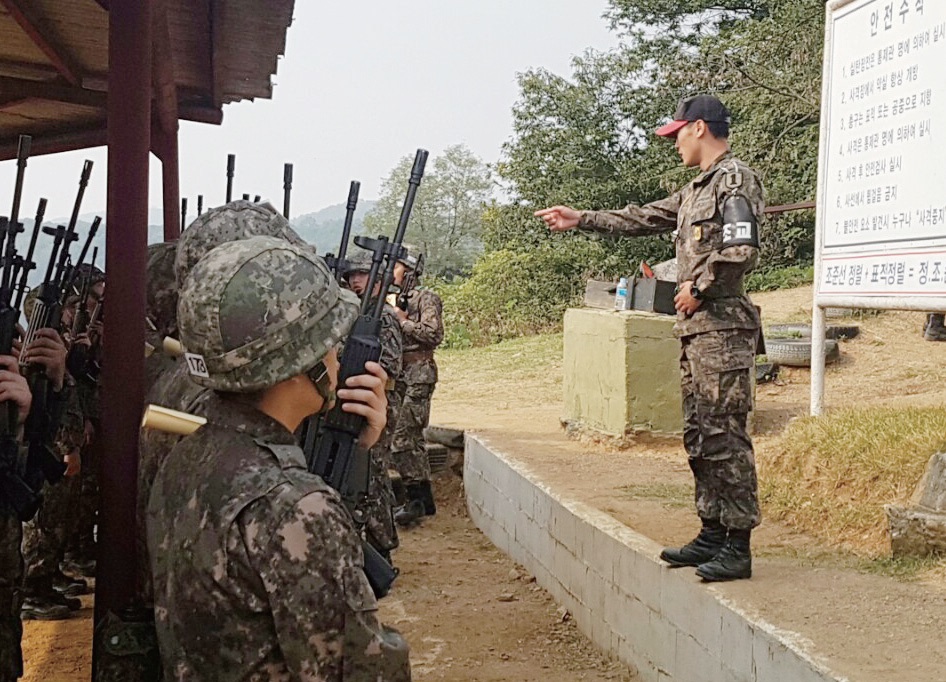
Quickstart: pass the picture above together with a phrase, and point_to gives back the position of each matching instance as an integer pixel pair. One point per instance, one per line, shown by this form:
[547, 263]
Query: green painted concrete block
[622, 371]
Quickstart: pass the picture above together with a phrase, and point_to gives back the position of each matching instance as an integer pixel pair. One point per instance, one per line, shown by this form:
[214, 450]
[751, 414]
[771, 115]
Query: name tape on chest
[196, 365]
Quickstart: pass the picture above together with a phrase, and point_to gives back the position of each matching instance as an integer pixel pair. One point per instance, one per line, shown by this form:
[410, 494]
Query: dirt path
[469, 613]
[869, 627]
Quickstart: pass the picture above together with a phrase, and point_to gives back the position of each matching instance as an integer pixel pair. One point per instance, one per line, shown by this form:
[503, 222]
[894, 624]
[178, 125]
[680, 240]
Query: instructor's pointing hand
[559, 218]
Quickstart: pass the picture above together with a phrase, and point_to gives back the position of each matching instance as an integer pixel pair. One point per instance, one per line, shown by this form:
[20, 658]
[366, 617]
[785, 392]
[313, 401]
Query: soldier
[173, 387]
[380, 529]
[716, 221]
[48, 593]
[84, 364]
[258, 570]
[420, 313]
[13, 388]
[160, 308]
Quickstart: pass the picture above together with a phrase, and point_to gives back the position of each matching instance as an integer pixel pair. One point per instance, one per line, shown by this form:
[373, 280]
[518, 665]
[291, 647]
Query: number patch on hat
[196, 365]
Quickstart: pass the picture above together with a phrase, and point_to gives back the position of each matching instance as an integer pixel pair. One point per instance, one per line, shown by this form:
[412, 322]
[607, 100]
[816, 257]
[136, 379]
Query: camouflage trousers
[716, 384]
[11, 578]
[408, 454]
[380, 528]
[81, 541]
[44, 537]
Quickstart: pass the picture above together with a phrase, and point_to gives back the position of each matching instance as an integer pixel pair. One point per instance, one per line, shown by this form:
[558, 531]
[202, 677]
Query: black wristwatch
[695, 292]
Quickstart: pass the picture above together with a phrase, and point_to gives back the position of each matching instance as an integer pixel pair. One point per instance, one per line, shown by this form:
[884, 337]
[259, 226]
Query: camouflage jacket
[258, 571]
[695, 212]
[423, 332]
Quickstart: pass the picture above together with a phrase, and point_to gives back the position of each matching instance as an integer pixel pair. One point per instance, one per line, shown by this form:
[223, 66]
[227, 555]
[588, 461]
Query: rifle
[22, 498]
[183, 213]
[409, 282]
[27, 263]
[231, 166]
[286, 189]
[82, 318]
[338, 264]
[200, 205]
[333, 454]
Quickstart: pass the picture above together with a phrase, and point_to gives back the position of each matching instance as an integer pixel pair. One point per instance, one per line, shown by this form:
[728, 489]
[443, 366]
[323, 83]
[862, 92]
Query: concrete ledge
[664, 623]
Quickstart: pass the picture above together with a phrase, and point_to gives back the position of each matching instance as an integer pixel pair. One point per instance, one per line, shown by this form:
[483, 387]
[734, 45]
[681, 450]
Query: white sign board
[881, 232]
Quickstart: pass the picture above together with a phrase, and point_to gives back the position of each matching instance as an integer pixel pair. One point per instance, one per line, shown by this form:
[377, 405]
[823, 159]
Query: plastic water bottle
[620, 297]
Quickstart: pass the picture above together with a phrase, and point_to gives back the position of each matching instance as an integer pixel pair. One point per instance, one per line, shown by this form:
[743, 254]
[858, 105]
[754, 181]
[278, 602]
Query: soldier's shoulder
[737, 177]
[427, 296]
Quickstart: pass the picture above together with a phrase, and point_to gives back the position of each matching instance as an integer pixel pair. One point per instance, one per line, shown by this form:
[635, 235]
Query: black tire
[452, 438]
[437, 457]
[797, 352]
[832, 331]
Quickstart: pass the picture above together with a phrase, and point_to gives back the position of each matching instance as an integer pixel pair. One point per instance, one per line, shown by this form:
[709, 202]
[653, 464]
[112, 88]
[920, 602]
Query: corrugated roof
[54, 63]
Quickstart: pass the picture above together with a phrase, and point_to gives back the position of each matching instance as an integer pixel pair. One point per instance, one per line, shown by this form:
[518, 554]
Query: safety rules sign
[882, 174]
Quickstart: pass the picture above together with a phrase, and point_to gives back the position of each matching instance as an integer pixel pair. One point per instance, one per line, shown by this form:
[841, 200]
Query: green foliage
[586, 141]
[447, 215]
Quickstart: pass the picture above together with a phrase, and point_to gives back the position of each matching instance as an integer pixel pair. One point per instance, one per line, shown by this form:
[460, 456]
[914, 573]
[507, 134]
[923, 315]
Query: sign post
[881, 216]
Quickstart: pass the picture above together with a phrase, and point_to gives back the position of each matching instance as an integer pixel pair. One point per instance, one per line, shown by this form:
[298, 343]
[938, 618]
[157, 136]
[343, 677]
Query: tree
[448, 211]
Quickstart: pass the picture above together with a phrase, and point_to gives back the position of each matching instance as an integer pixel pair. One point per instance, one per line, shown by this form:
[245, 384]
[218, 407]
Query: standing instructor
[716, 222]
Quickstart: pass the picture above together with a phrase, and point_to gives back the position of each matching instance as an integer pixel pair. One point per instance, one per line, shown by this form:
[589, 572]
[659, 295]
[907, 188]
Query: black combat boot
[35, 608]
[71, 587]
[413, 510]
[935, 330]
[427, 497]
[734, 561]
[700, 549]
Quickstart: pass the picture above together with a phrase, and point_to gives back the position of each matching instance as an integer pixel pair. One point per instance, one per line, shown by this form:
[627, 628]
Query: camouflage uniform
[423, 332]
[45, 536]
[258, 570]
[11, 577]
[718, 340]
[161, 308]
[172, 386]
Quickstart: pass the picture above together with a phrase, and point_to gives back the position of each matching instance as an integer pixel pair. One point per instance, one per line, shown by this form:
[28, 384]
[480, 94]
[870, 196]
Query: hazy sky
[362, 84]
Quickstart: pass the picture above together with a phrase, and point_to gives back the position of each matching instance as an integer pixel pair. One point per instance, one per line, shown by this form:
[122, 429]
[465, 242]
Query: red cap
[671, 129]
[699, 108]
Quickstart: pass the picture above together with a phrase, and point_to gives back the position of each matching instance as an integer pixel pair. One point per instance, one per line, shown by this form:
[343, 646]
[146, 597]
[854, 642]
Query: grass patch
[831, 476]
[902, 568]
[531, 363]
[673, 495]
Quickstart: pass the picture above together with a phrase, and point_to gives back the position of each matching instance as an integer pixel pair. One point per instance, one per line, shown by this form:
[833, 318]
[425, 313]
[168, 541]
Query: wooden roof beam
[55, 92]
[57, 142]
[57, 56]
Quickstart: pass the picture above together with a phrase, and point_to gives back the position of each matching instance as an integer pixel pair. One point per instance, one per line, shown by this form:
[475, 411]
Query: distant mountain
[324, 228]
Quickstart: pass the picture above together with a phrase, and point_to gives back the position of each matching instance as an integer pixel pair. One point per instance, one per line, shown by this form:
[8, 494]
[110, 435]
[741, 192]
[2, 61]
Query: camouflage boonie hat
[228, 223]
[359, 262]
[161, 306]
[257, 311]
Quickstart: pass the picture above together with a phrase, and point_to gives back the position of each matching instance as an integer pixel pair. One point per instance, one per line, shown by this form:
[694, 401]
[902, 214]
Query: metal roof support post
[129, 136]
[166, 141]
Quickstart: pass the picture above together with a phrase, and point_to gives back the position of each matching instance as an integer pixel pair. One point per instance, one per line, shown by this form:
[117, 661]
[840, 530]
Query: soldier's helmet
[228, 223]
[360, 261]
[257, 311]
[413, 260]
[161, 293]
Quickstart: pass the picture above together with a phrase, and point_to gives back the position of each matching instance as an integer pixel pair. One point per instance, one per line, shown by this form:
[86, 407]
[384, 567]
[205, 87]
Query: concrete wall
[665, 623]
[621, 371]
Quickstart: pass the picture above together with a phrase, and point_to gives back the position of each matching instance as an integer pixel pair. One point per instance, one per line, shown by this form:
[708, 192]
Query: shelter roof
[54, 64]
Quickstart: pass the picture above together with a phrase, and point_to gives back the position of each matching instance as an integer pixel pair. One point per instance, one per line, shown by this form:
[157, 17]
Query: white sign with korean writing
[882, 178]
